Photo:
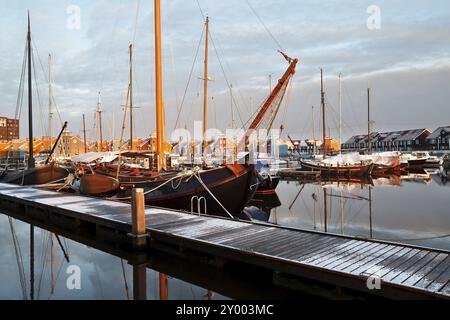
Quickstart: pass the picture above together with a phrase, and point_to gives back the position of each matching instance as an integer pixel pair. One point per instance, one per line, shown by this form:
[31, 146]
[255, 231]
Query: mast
[232, 109]
[325, 209]
[205, 89]
[340, 113]
[314, 131]
[159, 95]
[370, 213]
[84, 133]
[322, 101]
[369, 142]
[50, 98]
[131, 98]
[100, 132]
[30, 102]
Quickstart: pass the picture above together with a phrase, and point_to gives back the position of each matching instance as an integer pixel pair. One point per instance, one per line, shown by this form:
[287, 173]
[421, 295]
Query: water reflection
[33, 266]
[411, 208]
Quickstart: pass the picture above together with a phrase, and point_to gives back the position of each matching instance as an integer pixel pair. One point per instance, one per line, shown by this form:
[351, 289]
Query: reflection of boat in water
[268, 185]
[338, 169]
[261, 206]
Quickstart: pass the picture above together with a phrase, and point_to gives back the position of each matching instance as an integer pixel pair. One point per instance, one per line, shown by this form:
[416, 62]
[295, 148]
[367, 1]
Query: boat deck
[339, 261]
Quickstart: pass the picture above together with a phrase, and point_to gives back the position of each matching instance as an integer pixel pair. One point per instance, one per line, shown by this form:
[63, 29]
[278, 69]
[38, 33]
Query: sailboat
[49, 173]
[337, 166]
[224, 190]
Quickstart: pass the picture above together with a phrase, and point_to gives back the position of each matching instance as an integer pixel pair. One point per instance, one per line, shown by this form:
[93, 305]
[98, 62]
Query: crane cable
[264, 25]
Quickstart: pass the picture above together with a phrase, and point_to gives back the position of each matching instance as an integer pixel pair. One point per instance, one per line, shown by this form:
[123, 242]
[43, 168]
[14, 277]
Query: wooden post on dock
[138, 233]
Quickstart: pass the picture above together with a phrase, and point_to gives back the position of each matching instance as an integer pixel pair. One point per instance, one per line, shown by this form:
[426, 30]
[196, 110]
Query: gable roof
[437, 133]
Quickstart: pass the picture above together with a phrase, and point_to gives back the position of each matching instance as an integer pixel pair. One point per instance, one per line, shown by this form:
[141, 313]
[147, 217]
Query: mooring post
[138, 233]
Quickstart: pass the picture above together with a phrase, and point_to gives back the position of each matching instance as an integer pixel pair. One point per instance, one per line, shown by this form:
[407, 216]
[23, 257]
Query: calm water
[413, 210]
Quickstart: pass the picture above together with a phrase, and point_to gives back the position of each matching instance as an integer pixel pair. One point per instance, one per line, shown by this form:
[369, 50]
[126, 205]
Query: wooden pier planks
[415, 270]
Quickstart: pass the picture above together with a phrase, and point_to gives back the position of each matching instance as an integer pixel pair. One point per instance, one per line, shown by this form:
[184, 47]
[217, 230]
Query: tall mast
[30, 101]
[100, 128]
[314, 131]
[205, 89]
[369, 142]
[84, 133]
[232, 109]
[159, 95]
[324, 124]
[50, 99]
[131, 98]
[340, 113]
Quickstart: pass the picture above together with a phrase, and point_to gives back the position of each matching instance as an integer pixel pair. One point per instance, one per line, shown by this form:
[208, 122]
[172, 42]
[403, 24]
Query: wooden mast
[369, 142]
[99, 112]
[159, 96]
[340, 113]
[30, 101]
[84, 134]
[205, 89]
[50, 98]
[324, 119]
[314, 131]
[131, 98]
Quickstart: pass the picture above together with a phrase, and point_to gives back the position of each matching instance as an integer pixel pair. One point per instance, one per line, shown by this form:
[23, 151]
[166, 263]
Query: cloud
[412, 42]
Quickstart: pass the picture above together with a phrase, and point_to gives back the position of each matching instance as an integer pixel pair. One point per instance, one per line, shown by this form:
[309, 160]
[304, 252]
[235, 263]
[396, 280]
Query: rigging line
[38, 94]
[21, 87]
[47, 80]
[189, 79]
[264, 25]
[45, 245]
[172, 55]
[230, 71]
[19, 259]
[201, 10]
[125, 279]
[225, 77]
[138, 5]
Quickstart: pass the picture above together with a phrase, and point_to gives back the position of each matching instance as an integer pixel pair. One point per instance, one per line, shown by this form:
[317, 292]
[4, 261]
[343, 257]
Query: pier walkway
[292, 256]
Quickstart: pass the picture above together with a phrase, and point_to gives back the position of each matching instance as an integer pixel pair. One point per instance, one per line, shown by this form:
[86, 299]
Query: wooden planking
[425, 270]
[412, 270]
[340, 256]
[415, 268]
[403, 267]
[434, 274]
[356, 256]
[384, 256]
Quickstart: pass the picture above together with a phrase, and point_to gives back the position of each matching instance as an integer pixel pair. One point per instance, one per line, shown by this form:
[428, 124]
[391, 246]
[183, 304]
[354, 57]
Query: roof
[404, 135]
[437, 133]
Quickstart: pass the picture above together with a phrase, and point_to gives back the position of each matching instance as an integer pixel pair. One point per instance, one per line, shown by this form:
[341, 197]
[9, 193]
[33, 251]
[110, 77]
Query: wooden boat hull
[232, 185]
[363, 170]
[36, 176]
[95, 185]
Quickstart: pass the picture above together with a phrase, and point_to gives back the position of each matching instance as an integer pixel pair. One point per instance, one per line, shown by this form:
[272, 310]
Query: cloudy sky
[406, 61]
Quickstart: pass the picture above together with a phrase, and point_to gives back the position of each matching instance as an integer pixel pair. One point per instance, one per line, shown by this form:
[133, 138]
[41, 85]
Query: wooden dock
[298, 259]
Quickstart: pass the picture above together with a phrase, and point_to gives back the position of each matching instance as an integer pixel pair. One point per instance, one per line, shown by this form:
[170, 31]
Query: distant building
[69, 145]
[405, 140]
[440, 139]
[9, 129]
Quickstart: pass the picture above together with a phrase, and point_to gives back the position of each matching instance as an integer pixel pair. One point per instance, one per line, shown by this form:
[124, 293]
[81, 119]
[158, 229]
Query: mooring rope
[212, 195]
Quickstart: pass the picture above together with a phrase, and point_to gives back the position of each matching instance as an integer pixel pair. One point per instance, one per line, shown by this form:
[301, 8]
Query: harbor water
[412, 210]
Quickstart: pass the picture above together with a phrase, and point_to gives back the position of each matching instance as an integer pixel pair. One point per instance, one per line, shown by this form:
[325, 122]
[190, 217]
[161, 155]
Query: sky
[401, 51]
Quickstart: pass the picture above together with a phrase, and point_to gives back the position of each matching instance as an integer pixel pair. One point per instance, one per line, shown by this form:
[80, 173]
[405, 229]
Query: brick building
[9, 129]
